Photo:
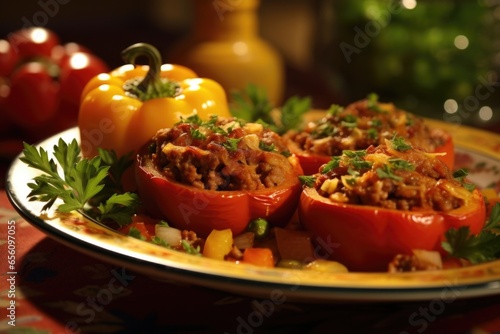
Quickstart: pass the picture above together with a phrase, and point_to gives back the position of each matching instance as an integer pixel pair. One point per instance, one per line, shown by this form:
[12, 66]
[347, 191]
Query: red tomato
[8, 58]
[61, 52]
[76, 70]
[33, 42]
[202, 211]
[366, 238]
[33, 97]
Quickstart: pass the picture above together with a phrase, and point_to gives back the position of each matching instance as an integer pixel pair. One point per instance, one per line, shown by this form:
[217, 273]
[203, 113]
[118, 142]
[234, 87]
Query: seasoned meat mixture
[393, 175]
[361, 124]
[221, 154]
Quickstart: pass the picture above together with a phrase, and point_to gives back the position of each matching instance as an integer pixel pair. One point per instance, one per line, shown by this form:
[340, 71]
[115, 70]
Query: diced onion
[432, 259]
[172, 236]
[252, 141]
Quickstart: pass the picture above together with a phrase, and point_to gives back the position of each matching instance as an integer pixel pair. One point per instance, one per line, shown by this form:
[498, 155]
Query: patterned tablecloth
[48, 288]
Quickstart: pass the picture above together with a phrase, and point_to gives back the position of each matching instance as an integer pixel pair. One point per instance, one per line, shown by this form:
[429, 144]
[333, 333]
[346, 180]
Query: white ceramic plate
[478, 151]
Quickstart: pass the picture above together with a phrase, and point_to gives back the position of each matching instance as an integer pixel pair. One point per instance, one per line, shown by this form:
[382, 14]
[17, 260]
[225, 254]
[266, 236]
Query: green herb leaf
[135, 233]
[335, 110]
[330, 165]
[460, 175]
[482, 247]
[308, 181]
[493, 221]
[401, 164]
[253, 105]
[117, 167]
[399, 144]
[372, 133]
[354, 154]
[266, 147]
[190, 249]
[292, 111]
[119, 208]
[82, 182]
[231, 144]
[372, 101]
[196, 134]
[159, 241]
[385, 172]
[350, 121]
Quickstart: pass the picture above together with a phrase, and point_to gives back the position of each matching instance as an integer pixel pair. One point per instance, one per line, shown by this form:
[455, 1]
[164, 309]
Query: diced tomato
[139, 226]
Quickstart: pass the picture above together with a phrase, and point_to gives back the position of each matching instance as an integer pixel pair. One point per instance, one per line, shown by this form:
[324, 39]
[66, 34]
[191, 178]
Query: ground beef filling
[242, 158]
[412, 180]
[362, 124]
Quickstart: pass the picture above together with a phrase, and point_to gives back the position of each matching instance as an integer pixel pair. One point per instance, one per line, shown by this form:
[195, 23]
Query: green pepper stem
[152, 86]
[152, 78]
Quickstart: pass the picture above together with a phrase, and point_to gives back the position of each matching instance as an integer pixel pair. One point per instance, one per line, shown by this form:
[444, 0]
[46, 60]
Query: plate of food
[474, 150]
[360, 203]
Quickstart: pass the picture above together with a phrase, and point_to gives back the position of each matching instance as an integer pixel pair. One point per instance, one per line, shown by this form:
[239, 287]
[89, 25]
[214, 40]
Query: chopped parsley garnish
[372, 102]
[361, 164]
[196, 134]
[354, 154]
[194, 119]
[307, 180]
[267, 147]
[401, 164]
[231, 144]
[82, 182]
[350, 121]
[385, 172]
[482, 247]
[159, 241]
[324, 130]
[335, 109]
[399, 144]
[190, 249]
[372, 133]
[460, 175]
[135, 233]
[330, 165]
[355, 159]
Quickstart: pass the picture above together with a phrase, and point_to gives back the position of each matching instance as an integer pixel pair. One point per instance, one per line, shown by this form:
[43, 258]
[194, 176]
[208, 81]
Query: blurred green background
[436, 58]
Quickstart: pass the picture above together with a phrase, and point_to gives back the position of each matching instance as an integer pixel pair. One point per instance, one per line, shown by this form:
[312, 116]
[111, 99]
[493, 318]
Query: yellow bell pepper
[123, 109]
[218, 244]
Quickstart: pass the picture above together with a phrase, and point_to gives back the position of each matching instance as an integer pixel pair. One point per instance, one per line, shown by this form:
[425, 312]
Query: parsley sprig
[482, 247]
[252, 105]
[79, 182]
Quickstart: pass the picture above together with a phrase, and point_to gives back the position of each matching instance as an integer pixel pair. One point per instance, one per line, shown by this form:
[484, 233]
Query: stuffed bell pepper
[386, 200]
[359, 125]
[123, 109]
[219, 174]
